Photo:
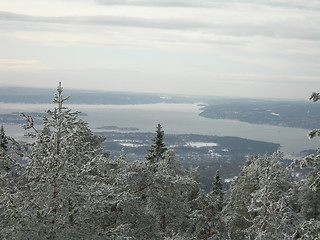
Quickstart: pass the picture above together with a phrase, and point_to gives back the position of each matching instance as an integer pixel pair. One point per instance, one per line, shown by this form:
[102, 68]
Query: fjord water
[175, 119]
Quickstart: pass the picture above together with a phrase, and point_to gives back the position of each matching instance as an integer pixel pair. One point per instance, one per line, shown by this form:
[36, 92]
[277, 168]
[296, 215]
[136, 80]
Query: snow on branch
[314, 97]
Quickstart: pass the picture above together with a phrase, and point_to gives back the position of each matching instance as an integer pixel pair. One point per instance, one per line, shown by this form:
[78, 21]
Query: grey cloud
[158, 3]
[312, 4]
[307, 28]
[276, 29]
[109, 20]
[5, 16]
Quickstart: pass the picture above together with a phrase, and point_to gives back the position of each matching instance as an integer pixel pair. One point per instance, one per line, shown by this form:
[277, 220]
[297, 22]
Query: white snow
[213, 154]
[201, 144]
[131, 144]
[229, 180]
[165, 97]
[128, 143]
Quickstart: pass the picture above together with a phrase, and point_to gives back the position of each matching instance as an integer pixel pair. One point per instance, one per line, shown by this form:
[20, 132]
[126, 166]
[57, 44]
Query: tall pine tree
[3, 139]
[158, 148]
[50, 197]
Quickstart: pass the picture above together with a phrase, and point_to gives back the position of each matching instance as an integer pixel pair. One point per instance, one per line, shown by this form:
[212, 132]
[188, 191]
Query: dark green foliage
[217, 192]
[3, 139]
[158, 148]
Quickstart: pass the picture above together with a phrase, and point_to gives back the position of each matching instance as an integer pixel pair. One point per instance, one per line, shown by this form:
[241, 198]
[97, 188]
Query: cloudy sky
[247, 48]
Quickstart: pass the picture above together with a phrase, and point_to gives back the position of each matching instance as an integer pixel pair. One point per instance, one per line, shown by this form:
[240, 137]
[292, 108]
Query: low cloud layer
[312, 4]
[18, 65]
[288, 25]
[197, 38]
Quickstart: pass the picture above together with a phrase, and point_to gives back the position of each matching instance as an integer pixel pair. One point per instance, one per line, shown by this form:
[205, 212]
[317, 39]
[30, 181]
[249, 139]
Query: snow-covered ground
[201, 144]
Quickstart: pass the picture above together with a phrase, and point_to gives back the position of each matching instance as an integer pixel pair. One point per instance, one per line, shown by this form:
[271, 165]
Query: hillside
[297, 114]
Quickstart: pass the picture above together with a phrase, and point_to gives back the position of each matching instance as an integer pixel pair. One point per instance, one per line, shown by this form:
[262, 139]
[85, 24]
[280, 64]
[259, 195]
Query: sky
[246, 48]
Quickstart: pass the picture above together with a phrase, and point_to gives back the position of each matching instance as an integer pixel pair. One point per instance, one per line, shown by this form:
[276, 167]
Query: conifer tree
[170, 195]
[3, 139]
[9, 185]
[69, 189]
[261, 205]
[310, 230]
[310, 199]
[207, 213]
[158, 148]
[6, 162]
[51, 198]
[312, 161]
[217, 193]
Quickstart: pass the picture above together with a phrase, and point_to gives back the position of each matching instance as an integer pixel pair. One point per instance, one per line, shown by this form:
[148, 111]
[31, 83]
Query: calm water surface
[175, 119]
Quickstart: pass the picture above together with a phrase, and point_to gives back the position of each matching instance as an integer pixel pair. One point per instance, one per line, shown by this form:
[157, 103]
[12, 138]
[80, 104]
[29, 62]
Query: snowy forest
[64, 185]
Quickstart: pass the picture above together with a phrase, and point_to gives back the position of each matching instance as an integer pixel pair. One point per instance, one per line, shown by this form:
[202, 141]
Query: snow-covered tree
[216, 195]
[133, 201]
[10, 177]
[116, 200]
[310, 204]
[261, 205]
[207, 212]
[310, 230]
[310, 189]
[170, 196]
[69, 189]
[50, 199]
[236, 214]
[312, 161]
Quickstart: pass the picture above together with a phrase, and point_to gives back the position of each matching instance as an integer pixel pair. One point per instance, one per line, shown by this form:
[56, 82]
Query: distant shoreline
[280, 114]
[118, 128]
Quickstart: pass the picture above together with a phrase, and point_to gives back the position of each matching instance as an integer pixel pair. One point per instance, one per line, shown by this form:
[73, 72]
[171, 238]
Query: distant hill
[297, 114]
[45, 95]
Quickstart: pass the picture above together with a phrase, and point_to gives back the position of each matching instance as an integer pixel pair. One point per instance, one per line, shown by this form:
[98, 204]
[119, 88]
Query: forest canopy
[70, 188]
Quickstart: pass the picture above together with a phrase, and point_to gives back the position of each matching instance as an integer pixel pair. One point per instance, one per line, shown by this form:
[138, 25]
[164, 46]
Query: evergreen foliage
[3, 139]
[260, 205]
[217, 193]
[70, 189]
[310, 227]
[49, 196]
[310, 230]
[158, 148]
[312, 161]
[310, 199]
